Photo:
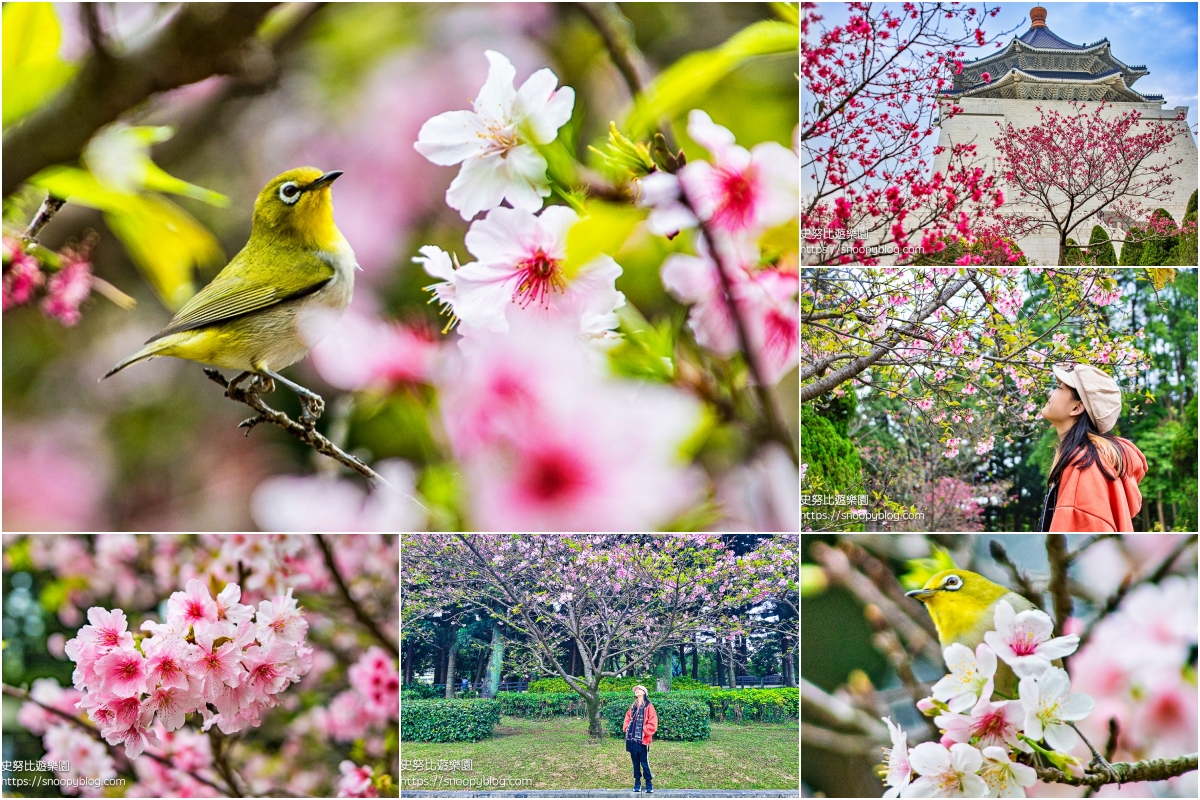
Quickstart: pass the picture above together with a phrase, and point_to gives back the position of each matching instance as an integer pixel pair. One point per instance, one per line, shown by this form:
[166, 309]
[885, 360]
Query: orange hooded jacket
[1088, 502]
[649, 724]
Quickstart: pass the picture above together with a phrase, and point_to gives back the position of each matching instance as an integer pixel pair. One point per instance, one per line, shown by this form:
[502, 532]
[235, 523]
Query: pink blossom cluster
[356, 781]
[209, 651]
[65, 291]
[372, 699]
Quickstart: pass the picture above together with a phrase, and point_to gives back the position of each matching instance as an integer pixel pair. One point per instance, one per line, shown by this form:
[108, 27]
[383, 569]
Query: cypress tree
[1101, 254]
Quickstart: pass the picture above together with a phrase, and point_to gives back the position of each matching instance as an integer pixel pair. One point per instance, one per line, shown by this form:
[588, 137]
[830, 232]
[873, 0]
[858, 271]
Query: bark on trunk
[451, 659]
[695, 662]
[720, 665]
[492, 682]
[595, 723]
[1162, 520]
[732, 668]
[574, 649]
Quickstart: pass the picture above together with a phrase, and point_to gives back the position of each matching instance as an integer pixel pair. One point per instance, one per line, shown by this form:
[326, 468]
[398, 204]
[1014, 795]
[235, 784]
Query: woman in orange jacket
[641, 721]
[1093, 485]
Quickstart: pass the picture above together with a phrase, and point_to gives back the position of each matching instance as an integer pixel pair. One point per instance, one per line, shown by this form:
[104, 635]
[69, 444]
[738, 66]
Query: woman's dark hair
[1084, 445]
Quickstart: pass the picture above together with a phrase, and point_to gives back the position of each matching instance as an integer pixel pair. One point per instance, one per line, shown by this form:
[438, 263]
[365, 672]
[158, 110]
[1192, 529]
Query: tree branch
[202, 40]
[359, 613]
[1056, 551]
[50, 206]
[617, 32]
[1024, 586]
[1158, 769]
[21, 694]
[1091, 540]
[310, 436]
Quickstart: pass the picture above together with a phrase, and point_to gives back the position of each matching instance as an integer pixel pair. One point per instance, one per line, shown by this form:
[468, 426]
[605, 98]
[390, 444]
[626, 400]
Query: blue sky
[1163, 36]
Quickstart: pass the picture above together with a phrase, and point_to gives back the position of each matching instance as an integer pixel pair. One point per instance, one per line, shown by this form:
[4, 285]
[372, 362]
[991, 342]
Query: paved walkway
[532, 793]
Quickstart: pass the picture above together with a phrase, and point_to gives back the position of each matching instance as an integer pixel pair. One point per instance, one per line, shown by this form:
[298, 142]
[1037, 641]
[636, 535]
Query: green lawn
[556, 753]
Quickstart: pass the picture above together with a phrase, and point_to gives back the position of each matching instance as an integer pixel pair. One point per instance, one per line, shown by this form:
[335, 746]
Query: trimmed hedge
[448, 720]
[724, 705]
[422, 691]
[552, 685]
[679, 720]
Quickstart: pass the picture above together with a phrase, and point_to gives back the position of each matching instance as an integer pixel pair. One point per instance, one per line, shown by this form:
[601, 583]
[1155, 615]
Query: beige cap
[1100, 394]
[643, 688]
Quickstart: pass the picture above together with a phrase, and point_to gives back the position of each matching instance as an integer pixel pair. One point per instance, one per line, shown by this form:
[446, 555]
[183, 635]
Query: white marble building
[1040, 69]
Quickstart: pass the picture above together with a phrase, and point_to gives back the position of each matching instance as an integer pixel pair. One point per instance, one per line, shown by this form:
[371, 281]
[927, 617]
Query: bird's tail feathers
[149, 351]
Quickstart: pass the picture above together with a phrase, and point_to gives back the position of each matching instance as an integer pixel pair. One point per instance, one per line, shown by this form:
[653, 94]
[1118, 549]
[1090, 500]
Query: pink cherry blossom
[1024, 642]
[355, 781]
[519, 276]
[122, 672]
[168, 661]
[375, 678]
[67, 289]
[742, 190]
[281, 619]
[22, 277]
[172, 704]
[137, 736]
[192, 607]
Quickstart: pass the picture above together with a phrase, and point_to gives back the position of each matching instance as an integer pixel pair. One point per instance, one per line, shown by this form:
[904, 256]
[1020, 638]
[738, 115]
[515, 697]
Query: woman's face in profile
[639, 693]
[1061, 403]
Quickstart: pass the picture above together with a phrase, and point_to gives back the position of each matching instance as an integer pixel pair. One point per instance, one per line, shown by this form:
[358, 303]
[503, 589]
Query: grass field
[556, 753]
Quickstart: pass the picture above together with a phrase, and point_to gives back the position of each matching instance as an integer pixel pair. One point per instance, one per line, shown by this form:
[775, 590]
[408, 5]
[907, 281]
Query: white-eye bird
[277, 298]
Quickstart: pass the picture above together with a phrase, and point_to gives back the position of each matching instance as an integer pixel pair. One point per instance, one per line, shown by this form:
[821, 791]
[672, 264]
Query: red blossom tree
[871, 106]
[1073, 167]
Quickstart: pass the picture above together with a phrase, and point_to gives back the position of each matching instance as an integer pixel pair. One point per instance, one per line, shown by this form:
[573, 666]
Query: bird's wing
[234, 294]
[1018, 602]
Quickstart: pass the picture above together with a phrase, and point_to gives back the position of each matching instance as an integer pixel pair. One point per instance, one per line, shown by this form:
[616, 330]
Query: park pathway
[569, 793]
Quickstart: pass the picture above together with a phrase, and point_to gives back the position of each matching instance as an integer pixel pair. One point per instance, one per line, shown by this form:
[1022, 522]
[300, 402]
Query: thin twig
[833, 741]
[309, 436]
[883, 577]
[1024, 587]
[1158, 769]
[617, 32]
[220, 756]
[21, 694]
[837, 567]
[95, 31]
[1109, 749]
[50, 206]
[1056, 551]
[834, 711]
[886, 641]
[1128, 585]
[359, 613]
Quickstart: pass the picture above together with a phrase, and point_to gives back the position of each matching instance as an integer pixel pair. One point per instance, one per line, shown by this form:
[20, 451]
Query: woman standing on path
[641, 721]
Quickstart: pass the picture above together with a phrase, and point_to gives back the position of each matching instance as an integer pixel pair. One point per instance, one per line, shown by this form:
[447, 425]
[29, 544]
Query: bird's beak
[921, 594]
[324, 180]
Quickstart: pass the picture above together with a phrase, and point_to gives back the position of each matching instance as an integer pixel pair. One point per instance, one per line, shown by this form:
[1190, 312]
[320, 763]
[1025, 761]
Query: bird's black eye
[952, 583]
[289, 193]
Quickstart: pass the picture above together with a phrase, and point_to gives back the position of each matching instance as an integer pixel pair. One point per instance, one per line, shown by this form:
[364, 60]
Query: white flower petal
[452, 137]
[1026, 776]
[1035, 622]
[1061, 737]
[712, 137]
[497, 96]
[506, 236]
[1076, 706]
[921, 787]
[962, 702]
[1004, 619]
[985, 658]
[479, 186]
[1029, 666]
[1055, 683]
[965, 758]
[958, 657]
[542, 109]
[929, 757]
[1058, 648]
[973, 785]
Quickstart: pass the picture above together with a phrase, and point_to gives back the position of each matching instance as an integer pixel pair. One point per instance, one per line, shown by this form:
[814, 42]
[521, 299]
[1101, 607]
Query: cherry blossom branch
[766, 398]
[359, 614]
[221, 762]
[309, 436]
[1091, 540]
[50, 206]
[1114, 600]
[1158, 769]
[1020, 578]
[21, 694]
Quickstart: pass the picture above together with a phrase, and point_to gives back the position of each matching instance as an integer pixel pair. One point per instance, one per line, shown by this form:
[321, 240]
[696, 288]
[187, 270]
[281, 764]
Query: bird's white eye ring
[953, 583]
[289, 192]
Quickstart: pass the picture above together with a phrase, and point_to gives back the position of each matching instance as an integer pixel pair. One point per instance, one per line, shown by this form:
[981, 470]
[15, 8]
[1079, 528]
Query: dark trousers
[641, 763]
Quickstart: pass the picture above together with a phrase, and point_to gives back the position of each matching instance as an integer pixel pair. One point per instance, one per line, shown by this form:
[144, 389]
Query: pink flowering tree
[964, 352]
[869, 107]
[183, 691]
[608, 595]
[1078, 168]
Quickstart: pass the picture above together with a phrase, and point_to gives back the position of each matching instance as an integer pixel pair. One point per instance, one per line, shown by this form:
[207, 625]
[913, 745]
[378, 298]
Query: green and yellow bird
[963, 607]
[277, 298]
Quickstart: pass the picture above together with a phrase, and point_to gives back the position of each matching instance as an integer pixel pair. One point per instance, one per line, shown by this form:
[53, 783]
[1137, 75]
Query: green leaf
[603, 231]
[681, 85]
[33, 71]
[813, 580]
[648, 350]
[163, 240]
